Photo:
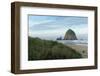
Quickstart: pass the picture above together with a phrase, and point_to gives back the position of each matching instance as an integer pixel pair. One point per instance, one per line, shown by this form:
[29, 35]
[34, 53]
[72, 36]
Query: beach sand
[82, 49]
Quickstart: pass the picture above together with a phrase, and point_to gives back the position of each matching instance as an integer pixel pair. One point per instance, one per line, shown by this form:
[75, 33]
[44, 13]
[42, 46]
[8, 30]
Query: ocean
[76, 42]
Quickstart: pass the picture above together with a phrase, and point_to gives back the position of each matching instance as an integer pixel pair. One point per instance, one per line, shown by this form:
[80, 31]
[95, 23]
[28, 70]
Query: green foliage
[46, 49]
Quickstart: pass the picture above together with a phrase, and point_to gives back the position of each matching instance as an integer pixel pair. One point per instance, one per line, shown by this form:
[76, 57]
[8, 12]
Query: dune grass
[39, 49]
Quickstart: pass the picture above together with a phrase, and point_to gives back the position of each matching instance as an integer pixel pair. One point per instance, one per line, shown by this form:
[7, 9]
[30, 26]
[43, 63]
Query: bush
[46, 49]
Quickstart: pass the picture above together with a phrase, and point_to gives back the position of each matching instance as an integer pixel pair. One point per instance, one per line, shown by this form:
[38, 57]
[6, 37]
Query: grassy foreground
[45, 50]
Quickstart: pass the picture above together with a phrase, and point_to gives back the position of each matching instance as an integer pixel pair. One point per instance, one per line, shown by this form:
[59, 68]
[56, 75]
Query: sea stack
[70, 35]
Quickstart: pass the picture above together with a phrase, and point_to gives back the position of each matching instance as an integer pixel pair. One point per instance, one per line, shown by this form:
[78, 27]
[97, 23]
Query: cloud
[55, 26]
[53, 22]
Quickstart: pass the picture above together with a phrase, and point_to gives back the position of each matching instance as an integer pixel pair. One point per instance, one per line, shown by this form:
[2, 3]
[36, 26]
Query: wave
[77, 42]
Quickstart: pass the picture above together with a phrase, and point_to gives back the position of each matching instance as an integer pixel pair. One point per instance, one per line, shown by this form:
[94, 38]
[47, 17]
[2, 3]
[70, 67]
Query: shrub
[46, 49]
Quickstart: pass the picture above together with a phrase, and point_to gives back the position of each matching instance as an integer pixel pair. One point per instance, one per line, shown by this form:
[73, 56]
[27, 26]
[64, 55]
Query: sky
[52, 27]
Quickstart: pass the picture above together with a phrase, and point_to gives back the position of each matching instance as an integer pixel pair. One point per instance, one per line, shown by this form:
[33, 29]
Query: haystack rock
[70, 35]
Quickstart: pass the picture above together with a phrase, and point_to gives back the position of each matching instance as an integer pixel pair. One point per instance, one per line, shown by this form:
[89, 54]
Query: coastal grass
[39, 49]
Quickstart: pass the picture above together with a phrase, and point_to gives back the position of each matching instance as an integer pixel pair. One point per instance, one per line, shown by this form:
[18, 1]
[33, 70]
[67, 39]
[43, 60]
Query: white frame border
[25, 64]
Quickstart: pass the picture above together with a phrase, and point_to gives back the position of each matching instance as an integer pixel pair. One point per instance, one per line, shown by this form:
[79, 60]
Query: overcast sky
[51, 27]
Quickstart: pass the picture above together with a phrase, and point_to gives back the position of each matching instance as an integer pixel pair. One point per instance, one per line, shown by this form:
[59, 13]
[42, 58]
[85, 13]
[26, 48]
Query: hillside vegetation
[39, 49]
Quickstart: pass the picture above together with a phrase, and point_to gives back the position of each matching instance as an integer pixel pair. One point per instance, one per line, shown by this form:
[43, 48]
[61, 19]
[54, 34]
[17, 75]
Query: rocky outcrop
[70, 35]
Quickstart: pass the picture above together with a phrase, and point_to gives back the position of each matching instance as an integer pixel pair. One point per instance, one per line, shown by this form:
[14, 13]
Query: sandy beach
[82, 49]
